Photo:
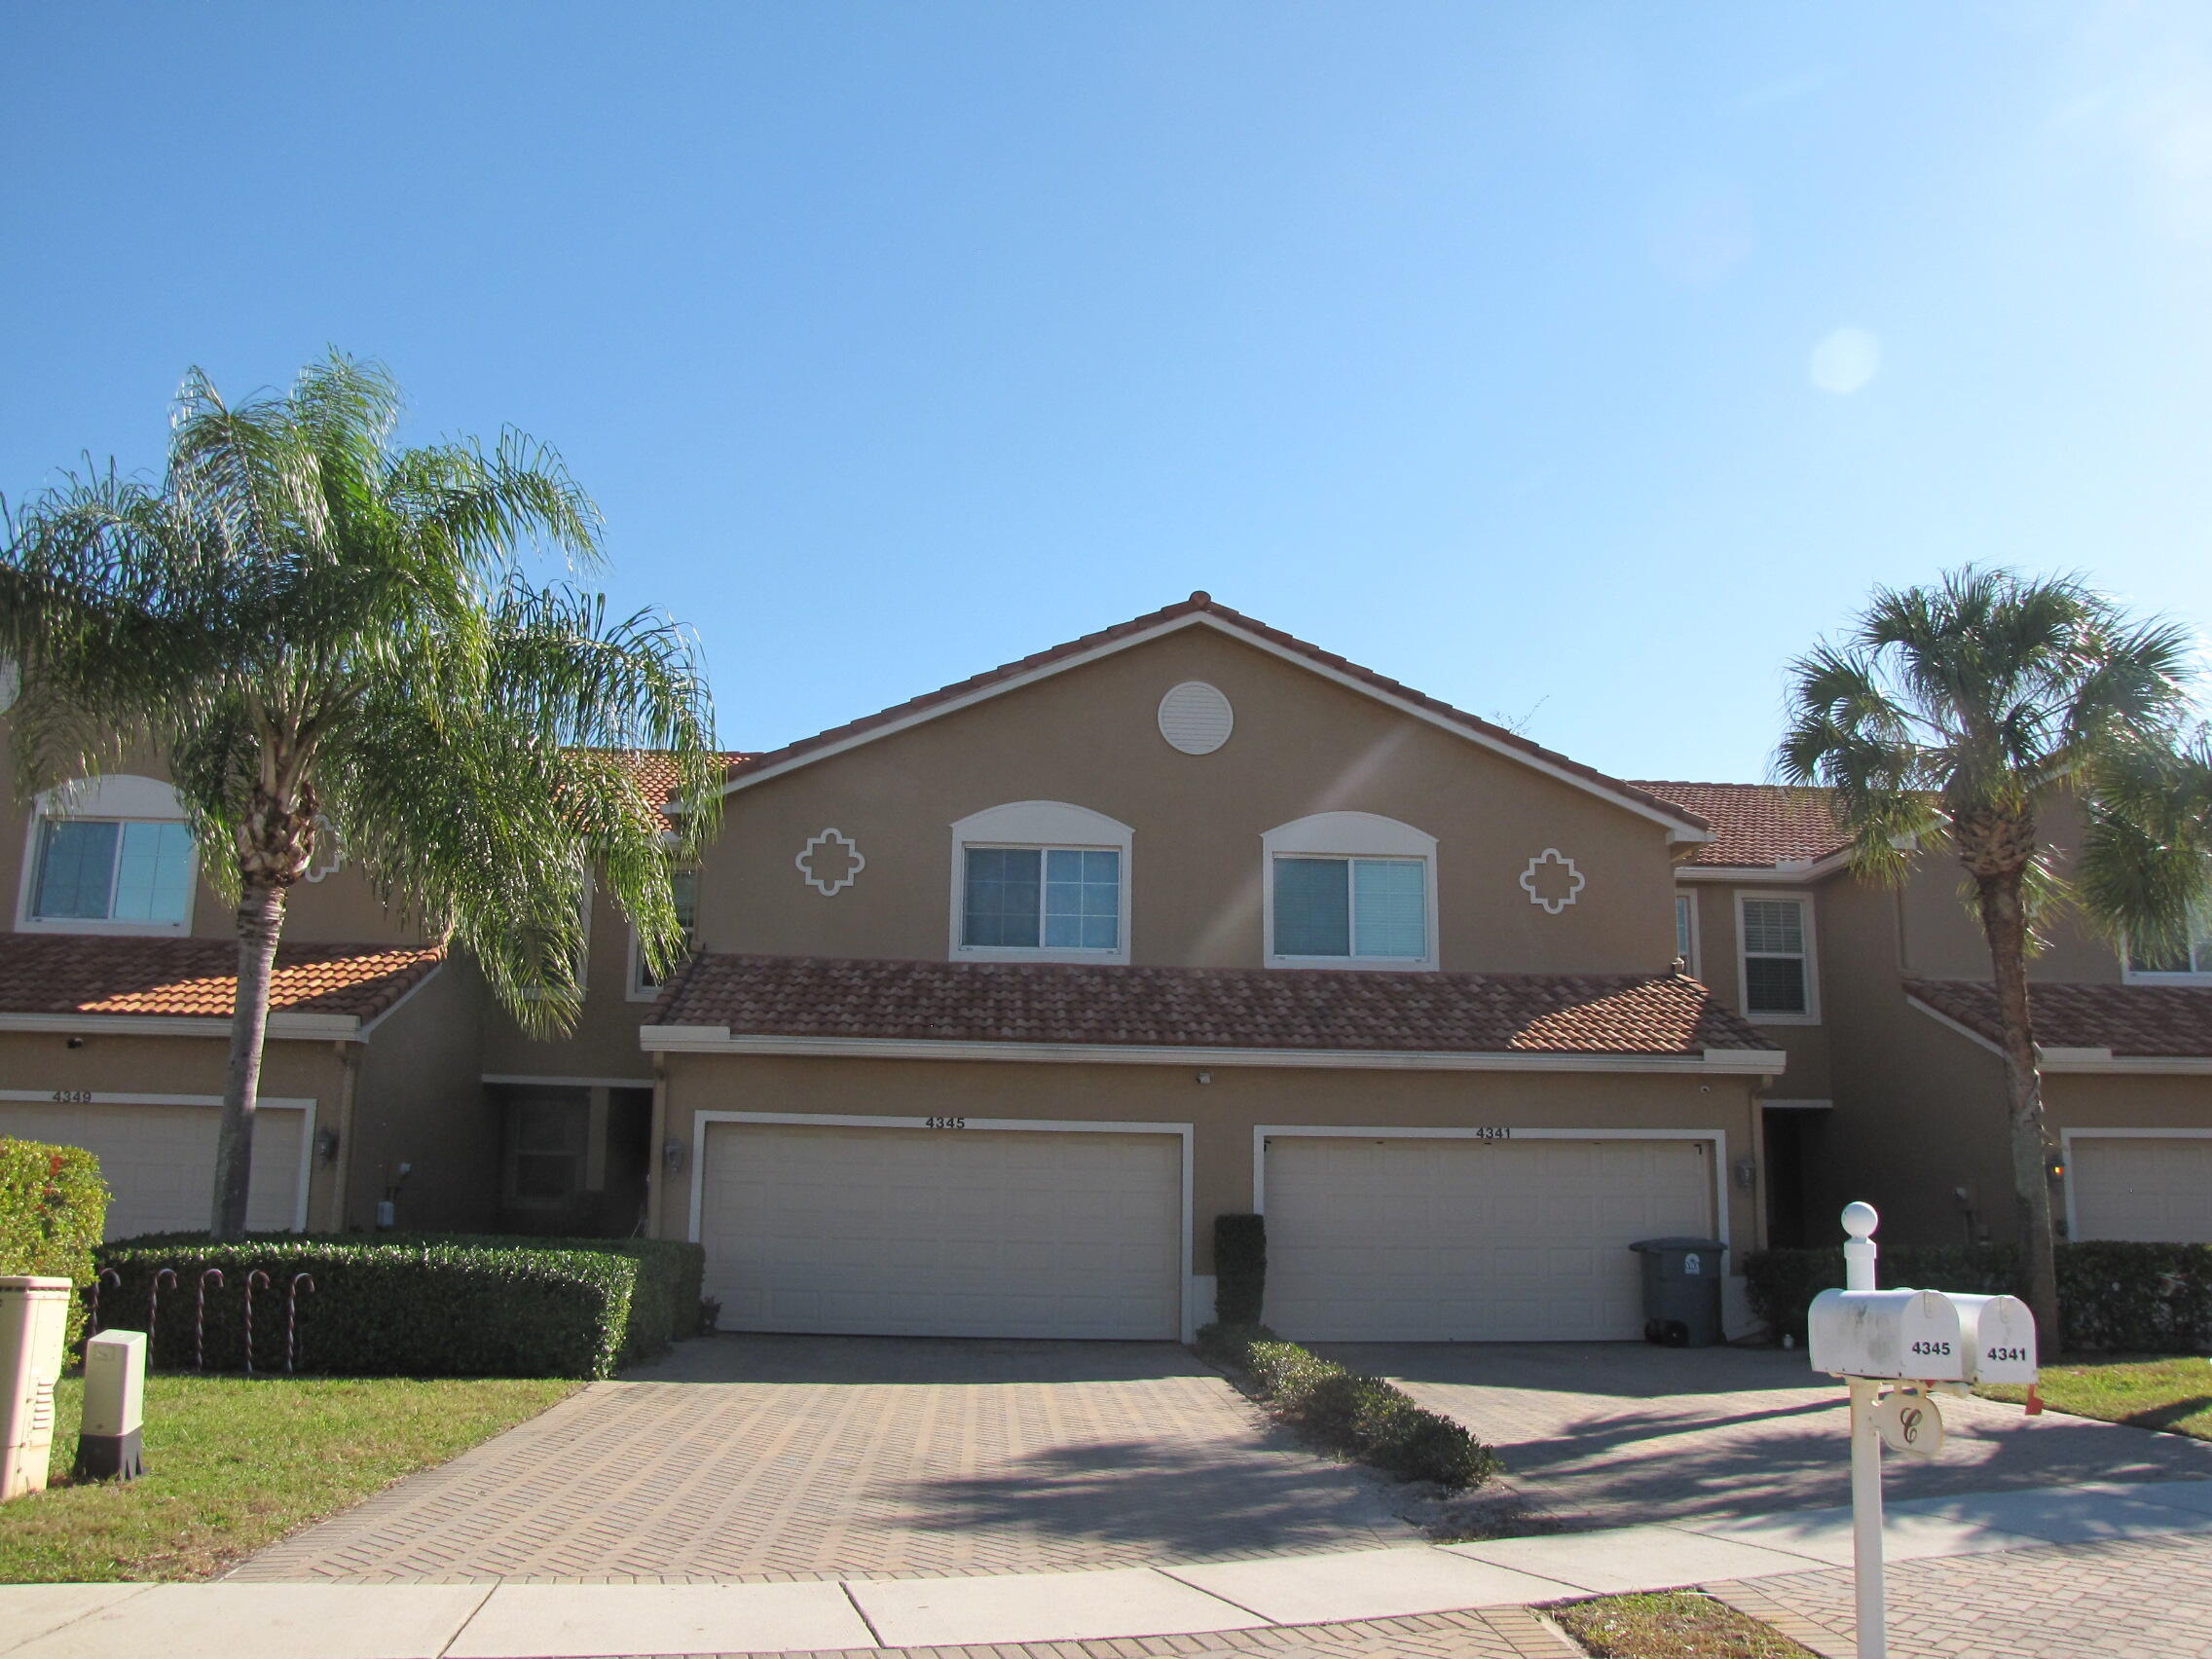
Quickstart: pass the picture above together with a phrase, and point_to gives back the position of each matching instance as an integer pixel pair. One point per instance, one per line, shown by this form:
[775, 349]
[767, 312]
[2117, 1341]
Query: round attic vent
[1196, 718]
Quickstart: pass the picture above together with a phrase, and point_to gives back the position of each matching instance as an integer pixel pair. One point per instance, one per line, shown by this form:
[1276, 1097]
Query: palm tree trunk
[260, 920]
[2005, 925]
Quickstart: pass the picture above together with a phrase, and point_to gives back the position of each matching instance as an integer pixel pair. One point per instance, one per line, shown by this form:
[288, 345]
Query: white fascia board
[1941, 1018]
[294, 1027]
[1678, 830]
[1780, 875]
[403, 999]
[718, 1040]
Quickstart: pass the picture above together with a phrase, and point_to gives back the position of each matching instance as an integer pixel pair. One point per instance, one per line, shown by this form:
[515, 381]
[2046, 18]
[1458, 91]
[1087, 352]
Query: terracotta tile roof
[1234, 1008]
[655, 771]
[1205, 604]
[2169, 1020]
[197, 977]
[1757, 824]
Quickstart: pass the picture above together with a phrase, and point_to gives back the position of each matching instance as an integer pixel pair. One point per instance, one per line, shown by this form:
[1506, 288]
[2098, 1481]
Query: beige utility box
[1909, 1335]
[2000, 1335]
[34, 1328]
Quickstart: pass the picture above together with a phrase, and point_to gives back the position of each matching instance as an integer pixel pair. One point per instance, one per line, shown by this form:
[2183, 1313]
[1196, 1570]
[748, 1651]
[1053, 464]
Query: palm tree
[1951, 718]
[324, 633]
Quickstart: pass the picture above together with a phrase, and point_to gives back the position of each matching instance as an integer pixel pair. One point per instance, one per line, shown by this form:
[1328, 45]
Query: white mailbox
[1904, 1334]
[110, 1440]
[2000, 1337]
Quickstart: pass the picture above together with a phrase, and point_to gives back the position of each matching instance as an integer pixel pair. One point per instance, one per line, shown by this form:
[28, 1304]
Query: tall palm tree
[1949, 718]
[326, 634]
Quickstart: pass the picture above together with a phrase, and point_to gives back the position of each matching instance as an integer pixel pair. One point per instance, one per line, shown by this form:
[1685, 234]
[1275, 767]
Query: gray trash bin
[1681, 1290]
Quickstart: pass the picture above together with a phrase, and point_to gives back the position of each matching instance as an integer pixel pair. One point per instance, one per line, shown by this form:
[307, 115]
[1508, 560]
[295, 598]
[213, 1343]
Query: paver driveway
[763, 1457]
[1611, 1434]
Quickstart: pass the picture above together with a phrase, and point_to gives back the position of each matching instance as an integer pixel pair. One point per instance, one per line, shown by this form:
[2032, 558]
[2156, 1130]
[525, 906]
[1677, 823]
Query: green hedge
[53, 1208]
[1366, 1416]
[2113, 1297]
[428, 1306]
[1240, 1267]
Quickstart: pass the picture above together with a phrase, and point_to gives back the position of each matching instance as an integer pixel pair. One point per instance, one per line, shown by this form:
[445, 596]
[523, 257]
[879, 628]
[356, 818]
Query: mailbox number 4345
[1931, 1348]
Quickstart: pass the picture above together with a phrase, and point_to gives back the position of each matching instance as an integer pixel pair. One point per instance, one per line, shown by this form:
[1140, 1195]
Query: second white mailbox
[1905, 1334]
[2000, 1335]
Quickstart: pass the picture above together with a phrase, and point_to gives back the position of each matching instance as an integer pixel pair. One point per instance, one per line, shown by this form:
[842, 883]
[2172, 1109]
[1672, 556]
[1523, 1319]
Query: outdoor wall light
[673, 1156]
[326, 1146]
[1747, 1169]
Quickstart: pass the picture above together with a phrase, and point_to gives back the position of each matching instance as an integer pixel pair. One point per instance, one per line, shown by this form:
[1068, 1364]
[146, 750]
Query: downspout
[656, 1161]
[342, 1172]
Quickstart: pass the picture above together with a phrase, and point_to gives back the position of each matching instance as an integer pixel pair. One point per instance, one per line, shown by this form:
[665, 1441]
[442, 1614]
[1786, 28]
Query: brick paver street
[1613, 1434]
[2142, 1599]
[761, 1458]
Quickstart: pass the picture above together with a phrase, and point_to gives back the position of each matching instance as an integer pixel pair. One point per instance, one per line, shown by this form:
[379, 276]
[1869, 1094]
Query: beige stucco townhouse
[1001, 996]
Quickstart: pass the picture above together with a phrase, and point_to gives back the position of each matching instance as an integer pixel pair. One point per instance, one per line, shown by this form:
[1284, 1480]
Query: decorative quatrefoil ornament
[831, 862]
[1551, 880]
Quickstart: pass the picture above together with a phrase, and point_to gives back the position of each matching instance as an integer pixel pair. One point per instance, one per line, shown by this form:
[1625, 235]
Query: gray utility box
[1681, 1290]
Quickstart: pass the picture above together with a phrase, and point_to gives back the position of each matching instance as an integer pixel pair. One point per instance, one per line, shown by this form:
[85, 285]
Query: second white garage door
[2148, 1190]
[1421, 1239]
[158, 1162]
[950, 1233]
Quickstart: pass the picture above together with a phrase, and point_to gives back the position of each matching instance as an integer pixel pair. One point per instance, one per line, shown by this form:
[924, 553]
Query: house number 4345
[945, 1123]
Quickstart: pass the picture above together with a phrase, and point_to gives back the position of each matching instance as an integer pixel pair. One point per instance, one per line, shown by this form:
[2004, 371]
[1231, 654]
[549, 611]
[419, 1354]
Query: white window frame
[1695, 950]
[121, 797]
[1348, 835]
[636, 989]
[1812, 1014]
[2194, 975]
[1039, 825]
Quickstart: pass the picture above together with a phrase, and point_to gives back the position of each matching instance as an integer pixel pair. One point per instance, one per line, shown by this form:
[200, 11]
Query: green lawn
[2172, 1392]
[1678, 1624]
[235, 1463]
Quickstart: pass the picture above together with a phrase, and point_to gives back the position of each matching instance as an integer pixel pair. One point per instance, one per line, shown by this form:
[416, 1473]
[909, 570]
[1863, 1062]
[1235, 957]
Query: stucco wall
[1088, 737]
[418, 1101]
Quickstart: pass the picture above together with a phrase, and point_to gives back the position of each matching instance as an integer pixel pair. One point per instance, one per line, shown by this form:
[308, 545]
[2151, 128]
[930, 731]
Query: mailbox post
[1910, 1343]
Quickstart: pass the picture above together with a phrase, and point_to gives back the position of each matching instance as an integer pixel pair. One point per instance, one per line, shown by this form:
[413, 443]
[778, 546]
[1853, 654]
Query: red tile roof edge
[2147, 1021]
[1204, 604]
[926, 992]
[105, 975]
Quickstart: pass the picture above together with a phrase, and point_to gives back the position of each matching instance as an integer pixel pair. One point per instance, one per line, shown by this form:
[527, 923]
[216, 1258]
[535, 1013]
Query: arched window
[1040, 881]
[108, 854]
[1350, 890]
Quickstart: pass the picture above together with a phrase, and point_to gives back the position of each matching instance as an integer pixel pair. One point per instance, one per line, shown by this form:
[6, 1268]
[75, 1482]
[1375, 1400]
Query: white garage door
[158, 1162]
[2148, 1190]
[950, 1233]
[1421, 1239]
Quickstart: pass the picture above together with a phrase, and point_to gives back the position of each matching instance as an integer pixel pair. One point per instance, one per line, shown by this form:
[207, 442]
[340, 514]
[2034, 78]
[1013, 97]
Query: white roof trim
[718, 1040]
[1791, 872]
[1678, 830]
[300, 1027]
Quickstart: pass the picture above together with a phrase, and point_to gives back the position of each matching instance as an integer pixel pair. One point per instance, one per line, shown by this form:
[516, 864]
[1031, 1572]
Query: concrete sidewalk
[1455, 1601]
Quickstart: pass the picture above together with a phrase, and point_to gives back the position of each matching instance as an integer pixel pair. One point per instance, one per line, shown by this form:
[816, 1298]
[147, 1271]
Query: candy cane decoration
[257, 1275]
[292, 1316]
[200, 1319]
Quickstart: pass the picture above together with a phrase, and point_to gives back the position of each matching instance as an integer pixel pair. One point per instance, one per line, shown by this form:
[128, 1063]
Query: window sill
[2134, 978]
[1781, 1018]
[1359, 964]
[124, 930]
[1039, 953]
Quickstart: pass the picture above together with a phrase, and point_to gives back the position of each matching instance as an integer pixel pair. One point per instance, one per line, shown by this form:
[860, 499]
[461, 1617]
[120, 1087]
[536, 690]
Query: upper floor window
[1776, 935]
[112, 855]
[1685, 932]
[683, 888]
[1350, 890]
[2193, 960]
[1041, 880]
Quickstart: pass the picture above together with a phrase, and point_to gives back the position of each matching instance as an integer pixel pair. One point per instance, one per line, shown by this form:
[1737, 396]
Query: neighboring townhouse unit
[1000, 996]
[1895, 1090]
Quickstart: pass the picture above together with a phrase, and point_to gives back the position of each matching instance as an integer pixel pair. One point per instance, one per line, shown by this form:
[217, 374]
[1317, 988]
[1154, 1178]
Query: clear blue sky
[1572, 362]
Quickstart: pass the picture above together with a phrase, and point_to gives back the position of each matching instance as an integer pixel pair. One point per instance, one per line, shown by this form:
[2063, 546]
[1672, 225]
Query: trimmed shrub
[2115, 1298]
[419, 1307]
[1365, 1416]
[53, 1208]
[1240, 1267]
